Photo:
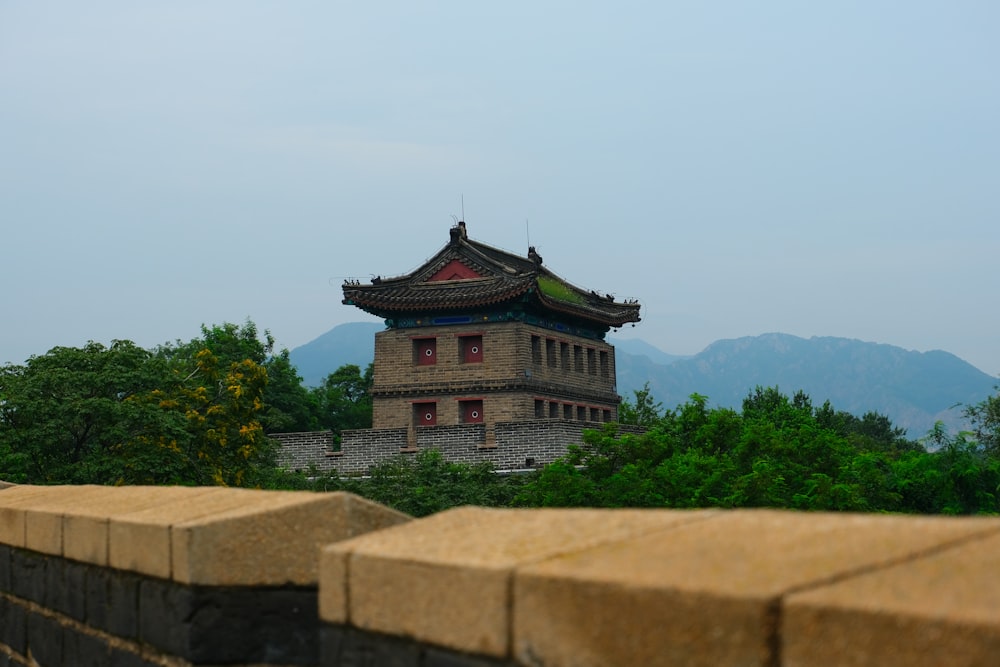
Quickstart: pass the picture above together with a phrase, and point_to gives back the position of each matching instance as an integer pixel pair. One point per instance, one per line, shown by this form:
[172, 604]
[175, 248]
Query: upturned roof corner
[467, 276]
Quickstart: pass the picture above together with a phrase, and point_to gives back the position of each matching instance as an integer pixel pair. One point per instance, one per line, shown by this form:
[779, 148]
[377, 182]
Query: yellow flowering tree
[219, 439]
[212, 405]
[184, 413]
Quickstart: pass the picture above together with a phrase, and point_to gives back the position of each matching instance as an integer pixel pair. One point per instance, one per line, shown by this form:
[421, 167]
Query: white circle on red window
[428, 352]
[475, 350]
[428, 417]
[475, 414]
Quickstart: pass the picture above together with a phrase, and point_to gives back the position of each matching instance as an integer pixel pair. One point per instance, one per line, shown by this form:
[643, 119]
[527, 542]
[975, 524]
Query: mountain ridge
[914, 389]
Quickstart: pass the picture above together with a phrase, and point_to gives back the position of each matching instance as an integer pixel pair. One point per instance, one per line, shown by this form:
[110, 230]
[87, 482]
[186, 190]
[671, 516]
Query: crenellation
[506, 445]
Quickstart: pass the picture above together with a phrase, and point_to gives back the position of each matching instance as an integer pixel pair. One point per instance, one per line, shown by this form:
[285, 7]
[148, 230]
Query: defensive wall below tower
[172, 577]
[507, 446]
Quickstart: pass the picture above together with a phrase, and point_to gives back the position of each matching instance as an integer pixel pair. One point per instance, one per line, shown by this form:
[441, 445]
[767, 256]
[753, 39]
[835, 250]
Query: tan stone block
[333, 581]
[140, 540]
[271, 545]
[446, 579]
[706, 593]
[12, 504]
[937, 610]
[43, 516]
[86, 524]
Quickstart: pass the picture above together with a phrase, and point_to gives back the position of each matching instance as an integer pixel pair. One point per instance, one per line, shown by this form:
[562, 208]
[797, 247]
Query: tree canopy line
[198, 412]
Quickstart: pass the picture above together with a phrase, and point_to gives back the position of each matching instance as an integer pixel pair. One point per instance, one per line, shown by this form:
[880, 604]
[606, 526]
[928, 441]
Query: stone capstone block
[273, 547]
[12, 503]
[209, 576]
[139, 541]
[707, 592]
[43, 515]
[446, 579]
[206, 536]
[86, 524]
[939, 609]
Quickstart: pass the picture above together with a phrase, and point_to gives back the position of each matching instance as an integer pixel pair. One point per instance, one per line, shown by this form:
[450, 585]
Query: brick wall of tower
[521, 366]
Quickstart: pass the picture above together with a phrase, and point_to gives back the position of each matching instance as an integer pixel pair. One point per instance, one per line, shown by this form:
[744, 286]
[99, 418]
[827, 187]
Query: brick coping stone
[606, 587]
[189, 535]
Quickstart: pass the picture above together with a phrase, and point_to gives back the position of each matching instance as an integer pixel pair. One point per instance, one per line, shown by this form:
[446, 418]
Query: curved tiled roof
[503, 279]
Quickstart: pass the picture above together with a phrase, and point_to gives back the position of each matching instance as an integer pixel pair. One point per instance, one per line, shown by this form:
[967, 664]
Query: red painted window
[471, 411]
[425, 351]
[425, 414]
[472, 349]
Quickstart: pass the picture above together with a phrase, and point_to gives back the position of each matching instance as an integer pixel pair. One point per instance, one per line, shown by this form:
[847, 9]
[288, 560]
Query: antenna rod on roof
[463, 207]
[527, 232]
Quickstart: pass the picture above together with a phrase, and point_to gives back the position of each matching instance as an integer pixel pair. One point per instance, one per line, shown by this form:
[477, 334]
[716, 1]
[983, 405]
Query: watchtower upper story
[478, 334]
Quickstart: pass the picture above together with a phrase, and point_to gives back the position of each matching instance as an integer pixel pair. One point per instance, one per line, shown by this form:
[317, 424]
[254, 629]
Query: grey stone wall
[298, 450]
[508, 446]
[56, 612]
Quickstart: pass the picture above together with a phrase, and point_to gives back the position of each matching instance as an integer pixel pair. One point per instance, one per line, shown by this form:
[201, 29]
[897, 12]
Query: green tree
[183, 414]
[344, 399]
[288, 406]
[425, 483]
[64, 413]
[643, 411]
[780, 452]
[985, 418]
[221, 442]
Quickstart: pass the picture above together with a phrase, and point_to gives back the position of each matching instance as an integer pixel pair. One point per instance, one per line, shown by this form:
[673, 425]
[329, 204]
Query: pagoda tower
[478, 335]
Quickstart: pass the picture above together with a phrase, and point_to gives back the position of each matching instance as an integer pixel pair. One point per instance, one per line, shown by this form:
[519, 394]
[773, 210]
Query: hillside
[351, 343]
[913, 388]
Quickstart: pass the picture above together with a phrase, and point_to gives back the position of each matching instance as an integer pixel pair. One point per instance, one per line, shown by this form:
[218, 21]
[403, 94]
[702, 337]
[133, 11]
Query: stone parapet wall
[298, 451]
[173, 577]
[146, 576]
[590, 588]
[508, 445]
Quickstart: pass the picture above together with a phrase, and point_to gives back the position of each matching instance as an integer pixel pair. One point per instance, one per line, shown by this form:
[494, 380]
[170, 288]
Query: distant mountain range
[914, 389]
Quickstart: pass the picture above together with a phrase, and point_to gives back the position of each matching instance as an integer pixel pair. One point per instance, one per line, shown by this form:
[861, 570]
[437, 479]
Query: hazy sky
[739, 167]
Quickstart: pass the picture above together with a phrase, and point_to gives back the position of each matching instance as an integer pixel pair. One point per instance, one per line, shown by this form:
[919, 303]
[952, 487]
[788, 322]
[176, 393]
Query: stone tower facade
[487, 357]
[478, 335]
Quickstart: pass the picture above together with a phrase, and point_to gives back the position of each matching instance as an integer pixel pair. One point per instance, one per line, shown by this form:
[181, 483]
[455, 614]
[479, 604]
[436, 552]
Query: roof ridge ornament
[458, 232]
